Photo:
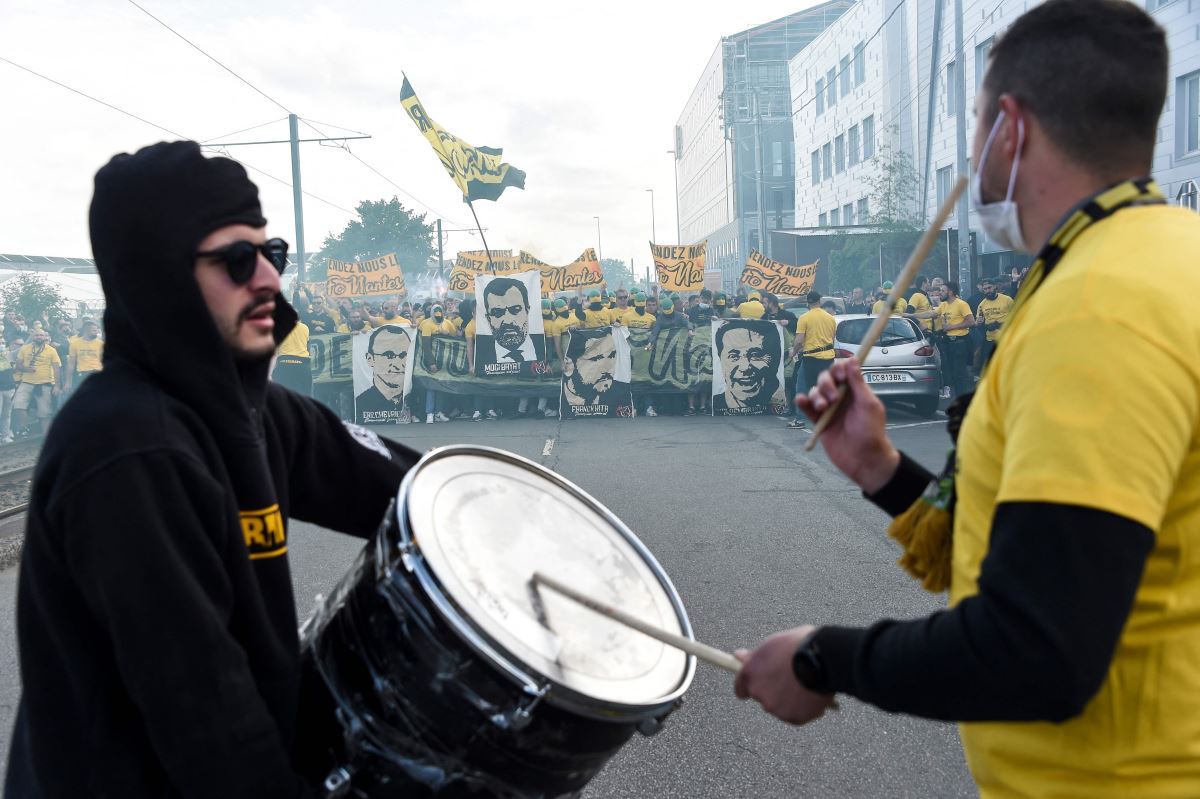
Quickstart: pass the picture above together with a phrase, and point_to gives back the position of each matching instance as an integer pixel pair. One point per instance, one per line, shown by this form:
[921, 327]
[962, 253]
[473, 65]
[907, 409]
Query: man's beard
[510, 336]
[589, 392]
[241, 353]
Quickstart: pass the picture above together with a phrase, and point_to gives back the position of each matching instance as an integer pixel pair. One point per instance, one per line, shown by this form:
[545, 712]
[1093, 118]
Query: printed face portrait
[590, 369]
[507, 310]
[387, 355]
[749, 361]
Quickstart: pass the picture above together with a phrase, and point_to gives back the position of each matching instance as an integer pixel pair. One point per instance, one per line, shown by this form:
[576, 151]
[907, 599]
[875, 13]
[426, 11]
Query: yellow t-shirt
[37, 369]
[600, 318]
[631, 318]
[919, 303]
[88, 354]
[901, 307]
[345, 328]
[429, 327]
[549, 326]
[296, 343]
[954, 313]
[751, 309]
[994, 311]
[818, 328]
[1093, 399]
[469, 329]
[379, 321]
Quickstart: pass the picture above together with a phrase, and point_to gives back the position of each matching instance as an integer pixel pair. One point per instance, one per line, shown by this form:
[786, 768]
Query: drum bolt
[650, 727]
[337, 783]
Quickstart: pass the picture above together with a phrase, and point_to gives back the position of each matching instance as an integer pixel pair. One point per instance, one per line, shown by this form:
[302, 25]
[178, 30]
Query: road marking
[914, 424]
[546, 450]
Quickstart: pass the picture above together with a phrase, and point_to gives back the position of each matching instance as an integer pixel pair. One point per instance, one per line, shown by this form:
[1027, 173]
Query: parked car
[903, 364]
[798, 305]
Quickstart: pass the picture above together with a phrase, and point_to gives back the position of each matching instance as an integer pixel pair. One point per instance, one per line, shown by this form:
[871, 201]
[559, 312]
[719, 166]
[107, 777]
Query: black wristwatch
[809, 667]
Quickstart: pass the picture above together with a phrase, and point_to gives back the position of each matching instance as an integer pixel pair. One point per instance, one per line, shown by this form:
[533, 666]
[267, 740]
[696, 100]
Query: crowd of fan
[43, 360]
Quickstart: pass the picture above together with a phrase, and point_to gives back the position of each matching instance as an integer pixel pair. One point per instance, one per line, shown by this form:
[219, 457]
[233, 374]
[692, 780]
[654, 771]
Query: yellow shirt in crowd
[379, 321]
[751, 309]
[818, 329]
[296, 343]
[429, 327]
[88, 355]
[1093, 399]
[919, 303]
[901, 307]
[37, 368]
[994, 311]
[631, 318]
[954, 313]
[345, 328]
[600, 318]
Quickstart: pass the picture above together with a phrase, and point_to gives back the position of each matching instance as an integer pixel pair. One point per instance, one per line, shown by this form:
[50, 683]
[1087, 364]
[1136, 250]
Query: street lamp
[675, 168]
[599, 249]
[653, 224]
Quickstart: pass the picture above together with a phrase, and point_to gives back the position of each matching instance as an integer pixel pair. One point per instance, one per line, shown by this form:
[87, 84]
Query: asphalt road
[757, 536]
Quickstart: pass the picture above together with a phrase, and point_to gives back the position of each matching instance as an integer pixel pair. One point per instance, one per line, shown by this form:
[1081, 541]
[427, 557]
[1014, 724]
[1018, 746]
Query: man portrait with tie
[517, 337]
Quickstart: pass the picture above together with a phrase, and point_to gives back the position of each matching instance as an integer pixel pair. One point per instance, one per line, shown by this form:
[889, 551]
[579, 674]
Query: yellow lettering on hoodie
[264, 532]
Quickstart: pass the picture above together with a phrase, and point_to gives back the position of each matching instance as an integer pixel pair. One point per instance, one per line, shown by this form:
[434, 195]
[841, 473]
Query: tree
[30, 294]
[382, 227]
[616, 273]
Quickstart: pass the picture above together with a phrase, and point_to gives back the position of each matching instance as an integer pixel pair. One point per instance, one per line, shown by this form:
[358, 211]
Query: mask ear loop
[1012, 176]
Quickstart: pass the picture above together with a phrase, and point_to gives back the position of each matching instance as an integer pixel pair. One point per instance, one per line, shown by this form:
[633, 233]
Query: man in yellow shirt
[812, 349]
[85, 356]
[596, 314]
[638, 317]
[436, 325]
[293, 363]
[1071, 647]
[919, 303]
[752, 308]
[956, 321]
[881, 302]
[37, 372]
[355, 323]
[993, 309]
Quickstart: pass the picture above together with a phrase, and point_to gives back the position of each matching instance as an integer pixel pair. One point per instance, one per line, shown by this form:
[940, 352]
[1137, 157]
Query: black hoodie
[155, 616]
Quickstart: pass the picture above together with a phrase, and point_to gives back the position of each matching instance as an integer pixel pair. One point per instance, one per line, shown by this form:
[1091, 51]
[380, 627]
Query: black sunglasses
[241, 257]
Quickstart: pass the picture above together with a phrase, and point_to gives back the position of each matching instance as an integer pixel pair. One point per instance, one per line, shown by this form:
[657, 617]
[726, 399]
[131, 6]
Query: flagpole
[486, 249]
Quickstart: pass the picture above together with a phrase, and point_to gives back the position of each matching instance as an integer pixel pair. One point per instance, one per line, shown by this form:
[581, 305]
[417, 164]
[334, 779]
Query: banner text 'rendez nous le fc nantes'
[477, 171]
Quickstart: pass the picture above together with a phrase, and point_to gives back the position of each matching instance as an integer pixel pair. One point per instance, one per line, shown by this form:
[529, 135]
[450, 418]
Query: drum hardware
[337, 784]
[519, 718]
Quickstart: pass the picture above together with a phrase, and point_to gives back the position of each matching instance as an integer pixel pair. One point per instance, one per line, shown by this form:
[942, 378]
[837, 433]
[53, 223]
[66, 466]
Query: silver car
[903, 364]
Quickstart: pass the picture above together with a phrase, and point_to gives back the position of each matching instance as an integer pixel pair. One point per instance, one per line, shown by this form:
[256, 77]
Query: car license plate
[888, 377]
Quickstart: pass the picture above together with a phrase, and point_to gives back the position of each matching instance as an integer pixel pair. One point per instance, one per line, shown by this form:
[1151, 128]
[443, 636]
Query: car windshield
[898, 331]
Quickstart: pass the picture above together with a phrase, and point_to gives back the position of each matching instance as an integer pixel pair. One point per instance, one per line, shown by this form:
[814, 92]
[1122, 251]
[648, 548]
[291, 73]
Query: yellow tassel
[924, 531]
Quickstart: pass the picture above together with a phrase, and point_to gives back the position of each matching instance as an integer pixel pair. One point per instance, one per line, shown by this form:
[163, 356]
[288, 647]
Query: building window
[868, 134]
[951, 90]
[1189, 196]
[816, 167]
[860, 64]
[1188, 133]
[981, 58]
[822, 221]
[853, 145]
[831, 88]
[839, 153]
[827, 160]
[834, 220]
[820, 96]
[863, 211]
[848, 214]
[776, 159]
[779, 201]
[945, 181]
[844, 73]
[1155, 5]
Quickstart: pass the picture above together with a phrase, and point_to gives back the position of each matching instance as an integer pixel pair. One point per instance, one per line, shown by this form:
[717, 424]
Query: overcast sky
[582, 96]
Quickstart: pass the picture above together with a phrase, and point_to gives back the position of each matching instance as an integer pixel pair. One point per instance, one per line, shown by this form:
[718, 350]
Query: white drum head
[484, 525]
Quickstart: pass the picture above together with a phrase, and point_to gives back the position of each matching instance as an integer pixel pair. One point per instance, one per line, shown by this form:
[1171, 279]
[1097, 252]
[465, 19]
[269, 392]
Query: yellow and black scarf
[925, 530]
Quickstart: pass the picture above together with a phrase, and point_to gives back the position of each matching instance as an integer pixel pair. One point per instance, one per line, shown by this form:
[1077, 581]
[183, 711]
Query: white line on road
[914, 424]
[546, 450]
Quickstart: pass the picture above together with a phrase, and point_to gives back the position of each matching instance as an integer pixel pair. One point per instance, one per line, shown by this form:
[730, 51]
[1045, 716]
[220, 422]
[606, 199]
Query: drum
[433, 672]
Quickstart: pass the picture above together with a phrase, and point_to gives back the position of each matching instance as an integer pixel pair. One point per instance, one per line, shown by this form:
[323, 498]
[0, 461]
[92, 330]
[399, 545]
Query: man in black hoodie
[155, 616]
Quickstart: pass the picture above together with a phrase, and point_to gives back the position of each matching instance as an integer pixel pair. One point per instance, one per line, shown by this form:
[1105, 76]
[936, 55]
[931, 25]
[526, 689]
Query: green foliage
[30, 294]
[382, 227]
[617, 273]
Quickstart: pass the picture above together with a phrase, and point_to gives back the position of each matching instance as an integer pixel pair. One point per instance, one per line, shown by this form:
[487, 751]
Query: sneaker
[440, 417]
[796, 424]
[690, 412]
[492, 415]
[477, 417]
[6, 440]
[651, 412]
[429, 418]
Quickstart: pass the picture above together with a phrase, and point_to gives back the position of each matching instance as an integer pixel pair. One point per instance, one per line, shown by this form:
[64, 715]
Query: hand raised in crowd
[856, 440]
[767, 677]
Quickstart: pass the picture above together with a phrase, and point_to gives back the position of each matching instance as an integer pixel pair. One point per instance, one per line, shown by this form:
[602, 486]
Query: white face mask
[1000, 220]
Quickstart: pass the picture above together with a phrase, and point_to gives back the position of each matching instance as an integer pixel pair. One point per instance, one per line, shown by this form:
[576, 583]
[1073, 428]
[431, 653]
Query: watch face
[809, 668]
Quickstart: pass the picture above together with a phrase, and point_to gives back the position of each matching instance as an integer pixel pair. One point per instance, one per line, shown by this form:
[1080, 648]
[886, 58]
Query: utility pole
[653, 224]
[764, 241]
[960, 96]
[441, 258]
[599, 248]
[294, 141]
[927, 169]
[675, 172]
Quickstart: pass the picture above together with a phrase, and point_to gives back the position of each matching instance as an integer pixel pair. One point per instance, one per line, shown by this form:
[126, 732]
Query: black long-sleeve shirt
[1035, 643]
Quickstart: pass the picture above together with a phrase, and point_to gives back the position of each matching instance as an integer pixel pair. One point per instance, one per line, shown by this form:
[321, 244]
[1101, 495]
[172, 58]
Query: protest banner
[747, 364]
[583, 272]
[509, 340]
[382, 373]
[374, 278]
[596, 374]
[679, 268]
[765, 274]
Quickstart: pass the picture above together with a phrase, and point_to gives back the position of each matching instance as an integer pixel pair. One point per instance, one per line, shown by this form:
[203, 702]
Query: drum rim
[528, 678]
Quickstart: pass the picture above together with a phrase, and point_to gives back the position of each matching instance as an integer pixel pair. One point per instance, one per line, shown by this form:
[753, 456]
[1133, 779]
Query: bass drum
[429, 672]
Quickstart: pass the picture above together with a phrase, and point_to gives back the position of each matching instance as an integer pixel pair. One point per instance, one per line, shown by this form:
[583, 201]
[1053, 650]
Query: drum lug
[519, 718]
[653, 726]
[337, 784]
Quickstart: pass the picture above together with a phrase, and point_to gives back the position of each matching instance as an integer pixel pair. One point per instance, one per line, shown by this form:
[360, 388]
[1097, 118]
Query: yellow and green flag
[477, 171]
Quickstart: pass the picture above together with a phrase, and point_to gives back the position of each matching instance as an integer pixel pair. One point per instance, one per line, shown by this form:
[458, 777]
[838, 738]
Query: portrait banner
[596, 374]
[679, 268]
[509, 338]
[377, 277]
[747, 364]
[382, 373]
[765, 274]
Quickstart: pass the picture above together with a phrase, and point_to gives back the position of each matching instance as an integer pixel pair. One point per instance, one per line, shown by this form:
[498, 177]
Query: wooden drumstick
[901, 285]
[704, 652]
